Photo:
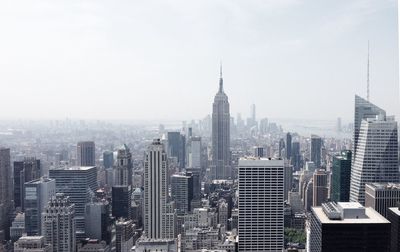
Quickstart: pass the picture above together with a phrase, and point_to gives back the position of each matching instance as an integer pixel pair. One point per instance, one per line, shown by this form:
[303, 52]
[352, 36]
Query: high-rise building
[121, 201]
[176, 147]
[17, 227]
[98, 223]
[376, 159]
[124, 235]
[281, 147]
[108, 159]
[182, 192]
[58, 224]
[37, 195]
[381, 196]
[363, 109]
[288, 146]
[258, 151]
[348, 227]
[5, 192]
[221, 162]
[123, 171]
[157, 209]
[393, 215]
[195, 153]
[32, 244]
[86, 153]
[309, 195]
[340, 180]
[79, 183]
[296, 156]
[288, 181]
[320, 187]
[223, 213]
[316, 148]
[24, 171]
[261, 204]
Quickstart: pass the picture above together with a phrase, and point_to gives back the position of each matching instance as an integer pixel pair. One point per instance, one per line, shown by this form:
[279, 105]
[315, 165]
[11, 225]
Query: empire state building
[221, 165]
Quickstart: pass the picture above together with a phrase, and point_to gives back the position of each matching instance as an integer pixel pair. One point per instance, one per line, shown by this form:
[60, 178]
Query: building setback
[381, 196]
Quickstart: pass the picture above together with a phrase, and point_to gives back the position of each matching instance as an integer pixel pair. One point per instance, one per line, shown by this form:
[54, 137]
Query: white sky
[146, 60]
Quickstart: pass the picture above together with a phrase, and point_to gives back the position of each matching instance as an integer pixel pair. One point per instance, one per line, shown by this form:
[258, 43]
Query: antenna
[368, 74]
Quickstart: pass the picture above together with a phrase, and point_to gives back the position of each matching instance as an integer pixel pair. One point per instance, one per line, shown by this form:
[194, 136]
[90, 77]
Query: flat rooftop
[256, 161]
[77, 168]
[384, 186]
[373, 217]
[395, 210]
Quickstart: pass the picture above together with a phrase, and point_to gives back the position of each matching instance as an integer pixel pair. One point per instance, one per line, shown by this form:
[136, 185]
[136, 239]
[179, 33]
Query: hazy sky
[138, 60]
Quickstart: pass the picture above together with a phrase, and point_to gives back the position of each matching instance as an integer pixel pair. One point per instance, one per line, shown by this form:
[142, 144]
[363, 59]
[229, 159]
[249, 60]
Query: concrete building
[348, 226]
[176, 147]
[315, 152]
[123, 170]
[261, 204]
[79, 183]
[182, 192]
[393, 215]
[32, 244]
[320, 187]
[17, 227]
[158, 212]
[5, 192]
[85, 153]
[24, 171]
[124, 235]
[194, 159]
[58, 224]
[37, 195]
[381, 196]
[98, 223]
[288, 146]
[220, 139]
[93, 245]
[155, 245]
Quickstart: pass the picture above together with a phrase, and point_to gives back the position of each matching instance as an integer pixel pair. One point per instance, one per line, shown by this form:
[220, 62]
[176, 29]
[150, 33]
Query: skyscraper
[376, 157]
[221, 164]
[124, 235]
[316, 147]
[340, 181]
[86, 153]
[288, 146]
[157, 209]
[124, 169]
[195, 153]
[176, 147]
[261, 204]
[98, 222]
[381, 196]
[24, 171]
[121, 201]
[58, 224]
[5, 192]
[296, 156]
[320, 187]
[37, 195]
[79, 184]
[182, 192]
[108, 159]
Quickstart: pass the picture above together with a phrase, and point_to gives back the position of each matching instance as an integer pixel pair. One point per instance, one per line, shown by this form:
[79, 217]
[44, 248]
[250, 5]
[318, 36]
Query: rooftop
[384, 186]
[260, 161]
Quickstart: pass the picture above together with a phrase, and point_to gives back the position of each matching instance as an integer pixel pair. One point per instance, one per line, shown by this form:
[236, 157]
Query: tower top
[221, 81]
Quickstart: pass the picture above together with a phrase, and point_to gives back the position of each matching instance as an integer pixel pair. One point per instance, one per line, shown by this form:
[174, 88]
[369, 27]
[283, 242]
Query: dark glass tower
[221, 168]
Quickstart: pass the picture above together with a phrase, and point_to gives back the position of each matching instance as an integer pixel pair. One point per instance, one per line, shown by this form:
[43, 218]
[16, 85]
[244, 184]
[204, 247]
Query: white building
[32, 244]
[195, 152]
[261, 204]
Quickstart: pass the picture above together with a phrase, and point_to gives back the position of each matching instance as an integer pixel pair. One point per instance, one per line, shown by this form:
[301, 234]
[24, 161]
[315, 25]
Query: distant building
[258, 151]
[261, 204]
[32, 244]
[348, 227]
[123, 170]
[195, 153]
[340, 181]
[288, 181]
[121, 201]
[24, 171]
[288, 146]
[316, 148]
[58, 224]
[5, 192]
[145, 245]
[296, 156]
[93, 245]
[176, 147]
[98, 223]
[79, 183]
[320, 187]
[220, 139]
[17, 227]
[37, 195]
[86, 153]
[124, 235]
[381, 196]
[182, 192]
[108, 159]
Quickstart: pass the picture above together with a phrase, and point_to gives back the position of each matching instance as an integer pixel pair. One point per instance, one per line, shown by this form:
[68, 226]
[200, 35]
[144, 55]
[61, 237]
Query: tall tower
[316, 148]
[123, 169]
[157, 223]
[5, 191]
[221, 165]
[86, 153]
[288, 146]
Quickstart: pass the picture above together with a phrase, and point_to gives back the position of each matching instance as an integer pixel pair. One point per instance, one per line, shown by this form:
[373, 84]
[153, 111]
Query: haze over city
[106, 60]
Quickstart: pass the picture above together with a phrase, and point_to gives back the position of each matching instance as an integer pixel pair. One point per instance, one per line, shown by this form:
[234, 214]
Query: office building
[17, 227]
[194, 160]
[108, 159]
[157, 210]
[5, 192]
[220, 139]
[182, 192]
[58, 224]
[85, 153]
[316, 148]
[145, 245]
[93, 245]
[80, 184]
[393, 215]
[24, 171]
[381, 196]
[258, 151]
[176, 147]
[98, 223]
[376, 159]
[320, 187]
[32, 244]
[124, 235]
[123, 170]
[288, 181]
[348, 226]
[37, 195]
[261, 204]
[296, 156]
[340, 180]
[288, 146]
[121, 201]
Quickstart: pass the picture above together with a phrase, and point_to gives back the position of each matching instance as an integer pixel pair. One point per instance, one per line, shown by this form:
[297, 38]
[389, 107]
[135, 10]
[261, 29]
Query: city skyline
[108, 73]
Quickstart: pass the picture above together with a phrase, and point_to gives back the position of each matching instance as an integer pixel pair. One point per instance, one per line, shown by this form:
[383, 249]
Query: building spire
[221, 81]
[368, 74]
